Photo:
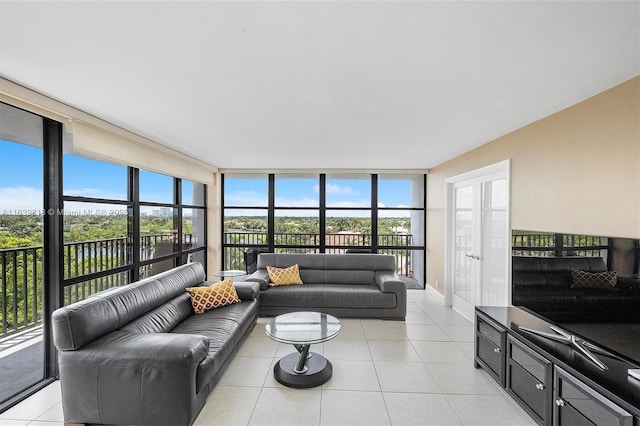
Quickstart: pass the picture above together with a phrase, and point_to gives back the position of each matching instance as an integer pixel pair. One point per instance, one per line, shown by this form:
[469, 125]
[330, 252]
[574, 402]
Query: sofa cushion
[85, 321]
[604, 280]
[163, 318]
[324, 261]
[284, 276]
[329, 295]
[212, 296]
[224, 327]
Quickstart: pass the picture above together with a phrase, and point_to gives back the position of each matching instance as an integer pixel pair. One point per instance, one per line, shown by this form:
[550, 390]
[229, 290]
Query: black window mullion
[271, 215]
[374, 213]
[53, 246]
[133, 243]
[177, 216]
[323, 211]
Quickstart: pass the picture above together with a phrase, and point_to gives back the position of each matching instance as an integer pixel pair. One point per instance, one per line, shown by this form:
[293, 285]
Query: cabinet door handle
[560, 402]
[497, 350]
[539, 386]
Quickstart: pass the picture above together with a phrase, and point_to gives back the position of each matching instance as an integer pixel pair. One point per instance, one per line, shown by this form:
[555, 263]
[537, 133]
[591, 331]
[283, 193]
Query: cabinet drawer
[490, 332]
[529, 381]
[578, 404]
[490, 342]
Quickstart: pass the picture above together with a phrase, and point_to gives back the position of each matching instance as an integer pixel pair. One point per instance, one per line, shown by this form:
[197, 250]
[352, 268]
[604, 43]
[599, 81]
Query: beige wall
[577, 171]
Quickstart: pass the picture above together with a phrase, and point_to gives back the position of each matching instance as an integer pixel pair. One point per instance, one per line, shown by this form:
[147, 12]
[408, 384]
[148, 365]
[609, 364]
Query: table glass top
[303, 328]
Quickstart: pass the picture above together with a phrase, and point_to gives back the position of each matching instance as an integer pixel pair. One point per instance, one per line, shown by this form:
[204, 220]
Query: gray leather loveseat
[139, 355]
[344, 285]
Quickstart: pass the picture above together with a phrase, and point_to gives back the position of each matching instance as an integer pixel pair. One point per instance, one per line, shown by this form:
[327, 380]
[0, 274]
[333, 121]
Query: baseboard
[435, 293]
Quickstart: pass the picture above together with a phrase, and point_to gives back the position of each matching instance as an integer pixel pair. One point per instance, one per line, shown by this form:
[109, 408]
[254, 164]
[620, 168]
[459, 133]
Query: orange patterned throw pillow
[213, 296]
[284, 276]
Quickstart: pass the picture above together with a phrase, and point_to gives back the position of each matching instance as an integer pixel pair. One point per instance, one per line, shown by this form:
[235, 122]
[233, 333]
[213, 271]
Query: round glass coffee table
[302, 329]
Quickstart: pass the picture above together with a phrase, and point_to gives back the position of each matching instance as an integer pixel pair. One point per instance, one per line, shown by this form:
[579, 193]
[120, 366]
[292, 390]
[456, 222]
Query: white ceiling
[320, 85]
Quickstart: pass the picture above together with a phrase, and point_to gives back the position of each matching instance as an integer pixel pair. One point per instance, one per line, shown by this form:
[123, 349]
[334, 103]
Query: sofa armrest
[247, 290]
[132, 378]
[389, 282]
[261, 276]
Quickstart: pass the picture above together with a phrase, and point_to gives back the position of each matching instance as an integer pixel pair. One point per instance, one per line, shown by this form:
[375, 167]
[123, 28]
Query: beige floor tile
[419, 410]
[449, 317]
[463, 378]
[459, 333]
[489, 410]
[426, 332]
[351, 329]
[353, 408]
[467, 348]
[418, 318]
[347, 349]
[280, 406]
[228, 405]
[36, 405]
[405, 377]
[384, 330]
[413, 307]
[258, 346]
[392, 350]
[246, 371]
[439, 352]
[11, 422]
[353, 375]
[53, 415]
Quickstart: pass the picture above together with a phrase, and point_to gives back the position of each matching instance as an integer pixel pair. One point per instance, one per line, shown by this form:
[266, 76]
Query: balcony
[21, 268]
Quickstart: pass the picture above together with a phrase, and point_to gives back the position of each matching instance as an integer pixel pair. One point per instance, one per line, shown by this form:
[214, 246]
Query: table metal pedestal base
[316, 370]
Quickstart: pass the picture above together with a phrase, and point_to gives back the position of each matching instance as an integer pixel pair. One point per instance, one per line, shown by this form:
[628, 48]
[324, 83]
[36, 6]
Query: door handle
[473, 256]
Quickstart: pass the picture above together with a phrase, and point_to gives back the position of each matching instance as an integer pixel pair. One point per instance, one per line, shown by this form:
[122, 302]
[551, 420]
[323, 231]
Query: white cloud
[84, 192]
[21, 200]
[340, 190]
[245, 198]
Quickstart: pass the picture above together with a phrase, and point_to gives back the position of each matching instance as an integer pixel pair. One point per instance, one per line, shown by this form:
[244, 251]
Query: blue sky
[21, 185]
[304, 192]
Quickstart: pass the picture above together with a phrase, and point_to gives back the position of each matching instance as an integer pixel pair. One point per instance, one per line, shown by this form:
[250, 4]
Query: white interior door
[465, 239]
[478, 239]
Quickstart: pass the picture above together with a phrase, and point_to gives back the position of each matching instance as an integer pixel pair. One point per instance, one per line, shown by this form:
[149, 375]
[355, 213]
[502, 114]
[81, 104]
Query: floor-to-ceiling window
[72, 226]
[326, 213]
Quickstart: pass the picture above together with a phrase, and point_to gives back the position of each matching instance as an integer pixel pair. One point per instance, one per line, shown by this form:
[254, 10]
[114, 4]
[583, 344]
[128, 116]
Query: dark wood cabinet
[530, 381]
[554, 383]
[576, 404]
[490, 344]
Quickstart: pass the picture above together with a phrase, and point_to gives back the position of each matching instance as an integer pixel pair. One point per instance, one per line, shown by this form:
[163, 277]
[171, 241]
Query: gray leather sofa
[344, 285]
[139, 355]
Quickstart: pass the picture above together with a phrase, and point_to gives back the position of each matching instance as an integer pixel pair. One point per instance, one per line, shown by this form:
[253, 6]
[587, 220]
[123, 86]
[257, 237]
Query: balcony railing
[236, 243]
[558, 245]
[21, 272]
[21, 269]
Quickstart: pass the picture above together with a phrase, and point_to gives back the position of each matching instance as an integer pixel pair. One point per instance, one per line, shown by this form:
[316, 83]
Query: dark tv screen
[607, 316]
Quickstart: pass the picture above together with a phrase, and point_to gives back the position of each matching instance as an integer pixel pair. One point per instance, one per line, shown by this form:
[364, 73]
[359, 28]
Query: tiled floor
[385, 373]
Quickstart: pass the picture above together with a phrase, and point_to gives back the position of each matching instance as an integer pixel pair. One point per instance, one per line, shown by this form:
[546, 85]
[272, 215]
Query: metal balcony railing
[21, 272]
[558, 245]
[236, 243]
[21, 269]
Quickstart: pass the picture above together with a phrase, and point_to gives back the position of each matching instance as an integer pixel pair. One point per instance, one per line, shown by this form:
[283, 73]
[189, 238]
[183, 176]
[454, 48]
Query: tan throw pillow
[603, 280]
[284, 276]
[213, 296]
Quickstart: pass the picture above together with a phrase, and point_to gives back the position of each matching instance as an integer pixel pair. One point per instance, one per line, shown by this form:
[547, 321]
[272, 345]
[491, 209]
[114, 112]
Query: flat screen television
[609, 315]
